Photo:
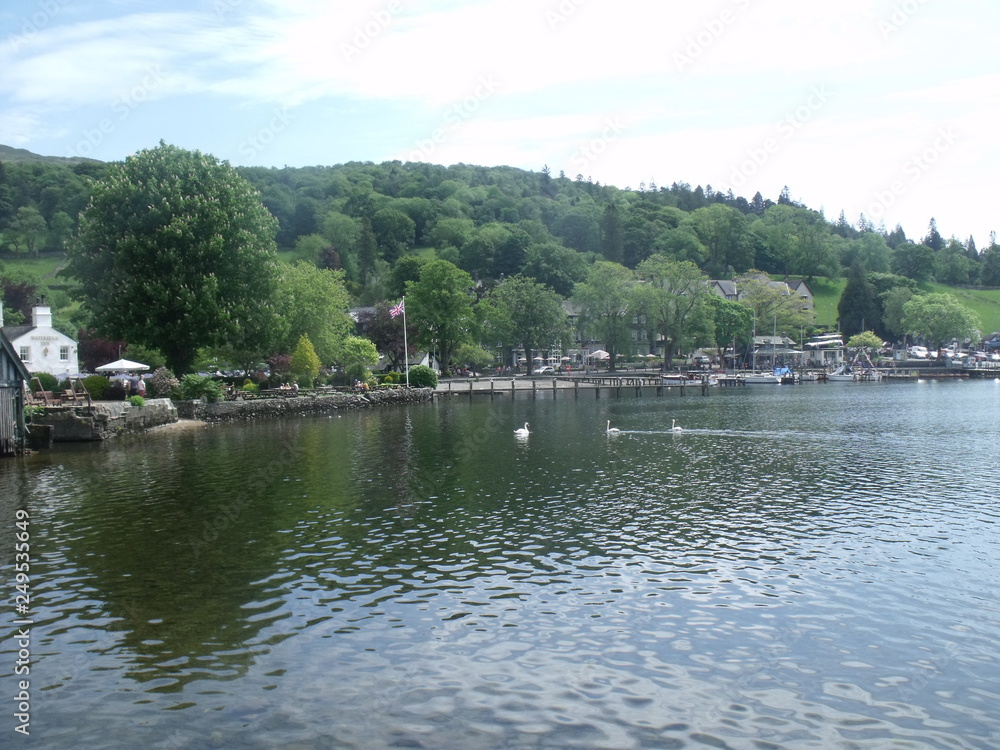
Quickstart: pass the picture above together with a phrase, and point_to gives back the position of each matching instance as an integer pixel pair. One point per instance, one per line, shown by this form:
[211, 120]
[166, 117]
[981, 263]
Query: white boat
[847, 374]
[761, 378]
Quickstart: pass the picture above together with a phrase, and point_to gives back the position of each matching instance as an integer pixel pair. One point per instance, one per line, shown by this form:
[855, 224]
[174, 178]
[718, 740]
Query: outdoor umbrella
[122, 365]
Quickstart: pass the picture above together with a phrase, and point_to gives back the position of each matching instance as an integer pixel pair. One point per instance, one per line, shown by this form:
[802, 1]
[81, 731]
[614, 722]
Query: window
[63, 353]
[25, 353]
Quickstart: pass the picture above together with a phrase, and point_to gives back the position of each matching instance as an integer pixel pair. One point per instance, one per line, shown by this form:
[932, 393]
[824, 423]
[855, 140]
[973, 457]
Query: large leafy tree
[733, 322]
[556, 266]
[176, 252]
[439, 304]
[675, 298]
[520, 311]
[727, 239]
[313, 301]
[939, 318]
[773, 304]
[605, 300]
[28, 229]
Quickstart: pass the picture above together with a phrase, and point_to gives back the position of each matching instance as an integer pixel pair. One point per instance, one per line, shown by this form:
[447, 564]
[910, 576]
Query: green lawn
[984, 302]
[44, 267]
[826, 295]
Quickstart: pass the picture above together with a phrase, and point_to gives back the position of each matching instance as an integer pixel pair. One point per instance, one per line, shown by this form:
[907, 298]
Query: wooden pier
[616, 385]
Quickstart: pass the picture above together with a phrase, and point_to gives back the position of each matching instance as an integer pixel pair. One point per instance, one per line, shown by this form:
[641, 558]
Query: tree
[18, 293]
[893, 303]
[28, 229]
[612, 238]
[913, 261]
[405, 269]
[605, 306]
[176, 252]
[733, 322]
[865, 340]
[724, 233]
[933, 240]
[858, 305]
[305, 363]
[675, 296]
[386, 332]
[556, 266]
[313, 301]
[440, 306]
[395, 232]
[521, 312]
[772, 302]
[939, 318]
[357, 355]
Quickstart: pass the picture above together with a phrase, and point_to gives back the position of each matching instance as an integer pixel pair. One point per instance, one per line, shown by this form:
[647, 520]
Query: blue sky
[887, 107]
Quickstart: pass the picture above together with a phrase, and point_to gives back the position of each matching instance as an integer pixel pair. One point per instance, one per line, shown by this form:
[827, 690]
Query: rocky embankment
[302, 405]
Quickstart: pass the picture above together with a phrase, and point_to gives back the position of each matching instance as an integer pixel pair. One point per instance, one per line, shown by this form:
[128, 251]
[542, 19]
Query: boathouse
[13, 379]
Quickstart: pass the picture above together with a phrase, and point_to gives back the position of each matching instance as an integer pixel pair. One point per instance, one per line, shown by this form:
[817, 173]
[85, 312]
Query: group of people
[133, 386]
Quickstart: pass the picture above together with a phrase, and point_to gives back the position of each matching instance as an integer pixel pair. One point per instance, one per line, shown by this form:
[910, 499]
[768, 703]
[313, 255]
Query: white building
[41, 347]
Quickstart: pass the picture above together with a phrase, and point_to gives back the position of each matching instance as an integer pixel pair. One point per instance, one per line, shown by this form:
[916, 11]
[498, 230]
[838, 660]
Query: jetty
[572, 386]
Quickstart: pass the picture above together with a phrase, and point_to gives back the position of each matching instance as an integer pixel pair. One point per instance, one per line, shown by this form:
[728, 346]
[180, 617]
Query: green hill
[13, 155]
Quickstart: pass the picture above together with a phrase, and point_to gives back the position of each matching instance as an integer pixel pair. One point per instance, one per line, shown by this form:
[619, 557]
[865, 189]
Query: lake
[807, 566]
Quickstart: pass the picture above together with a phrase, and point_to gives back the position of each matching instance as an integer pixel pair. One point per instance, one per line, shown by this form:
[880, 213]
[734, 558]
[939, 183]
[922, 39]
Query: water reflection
[420, 577]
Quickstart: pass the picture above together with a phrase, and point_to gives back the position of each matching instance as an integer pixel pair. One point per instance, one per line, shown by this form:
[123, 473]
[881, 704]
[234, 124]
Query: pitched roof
[8, 349]
[16, 332]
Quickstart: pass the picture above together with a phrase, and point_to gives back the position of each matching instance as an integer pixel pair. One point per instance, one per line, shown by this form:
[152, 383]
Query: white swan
[522, 431]
[613, 430]
[674, 426]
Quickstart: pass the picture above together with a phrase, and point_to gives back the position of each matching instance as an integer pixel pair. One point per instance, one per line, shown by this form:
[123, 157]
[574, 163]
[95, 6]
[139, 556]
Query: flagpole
[406, 348]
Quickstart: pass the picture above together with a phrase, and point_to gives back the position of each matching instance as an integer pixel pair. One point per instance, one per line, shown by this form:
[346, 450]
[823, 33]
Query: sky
[887, 108]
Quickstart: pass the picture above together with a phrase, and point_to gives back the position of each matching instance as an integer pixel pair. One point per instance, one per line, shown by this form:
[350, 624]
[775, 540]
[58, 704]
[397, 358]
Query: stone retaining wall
[232, 411]
[105, 419]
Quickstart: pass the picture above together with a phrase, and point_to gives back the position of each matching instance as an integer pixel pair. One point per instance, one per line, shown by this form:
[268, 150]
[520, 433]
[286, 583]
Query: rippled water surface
[800, 567]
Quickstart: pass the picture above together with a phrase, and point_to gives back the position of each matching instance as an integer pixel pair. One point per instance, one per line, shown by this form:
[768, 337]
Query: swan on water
[612, 430]
[522, 431]
[674, 426]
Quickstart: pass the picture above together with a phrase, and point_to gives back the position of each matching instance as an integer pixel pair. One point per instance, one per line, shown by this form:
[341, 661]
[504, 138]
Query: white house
[41, 347]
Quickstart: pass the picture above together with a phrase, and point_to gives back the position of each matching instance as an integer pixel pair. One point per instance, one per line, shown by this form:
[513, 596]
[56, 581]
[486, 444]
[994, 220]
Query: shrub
[249, 386]
[162, 384]
[49, 382]
[97, 386]
[195, 386]
[422, 376]
[137, 401]
[115, 391]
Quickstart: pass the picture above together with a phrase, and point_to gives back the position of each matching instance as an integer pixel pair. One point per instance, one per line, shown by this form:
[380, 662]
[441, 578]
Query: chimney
[41, 316]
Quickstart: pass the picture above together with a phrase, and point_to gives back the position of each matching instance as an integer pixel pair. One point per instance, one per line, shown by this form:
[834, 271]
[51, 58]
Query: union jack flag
[397, 310]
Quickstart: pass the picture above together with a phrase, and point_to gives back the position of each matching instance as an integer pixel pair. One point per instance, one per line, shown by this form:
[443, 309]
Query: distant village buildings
[41, 347]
